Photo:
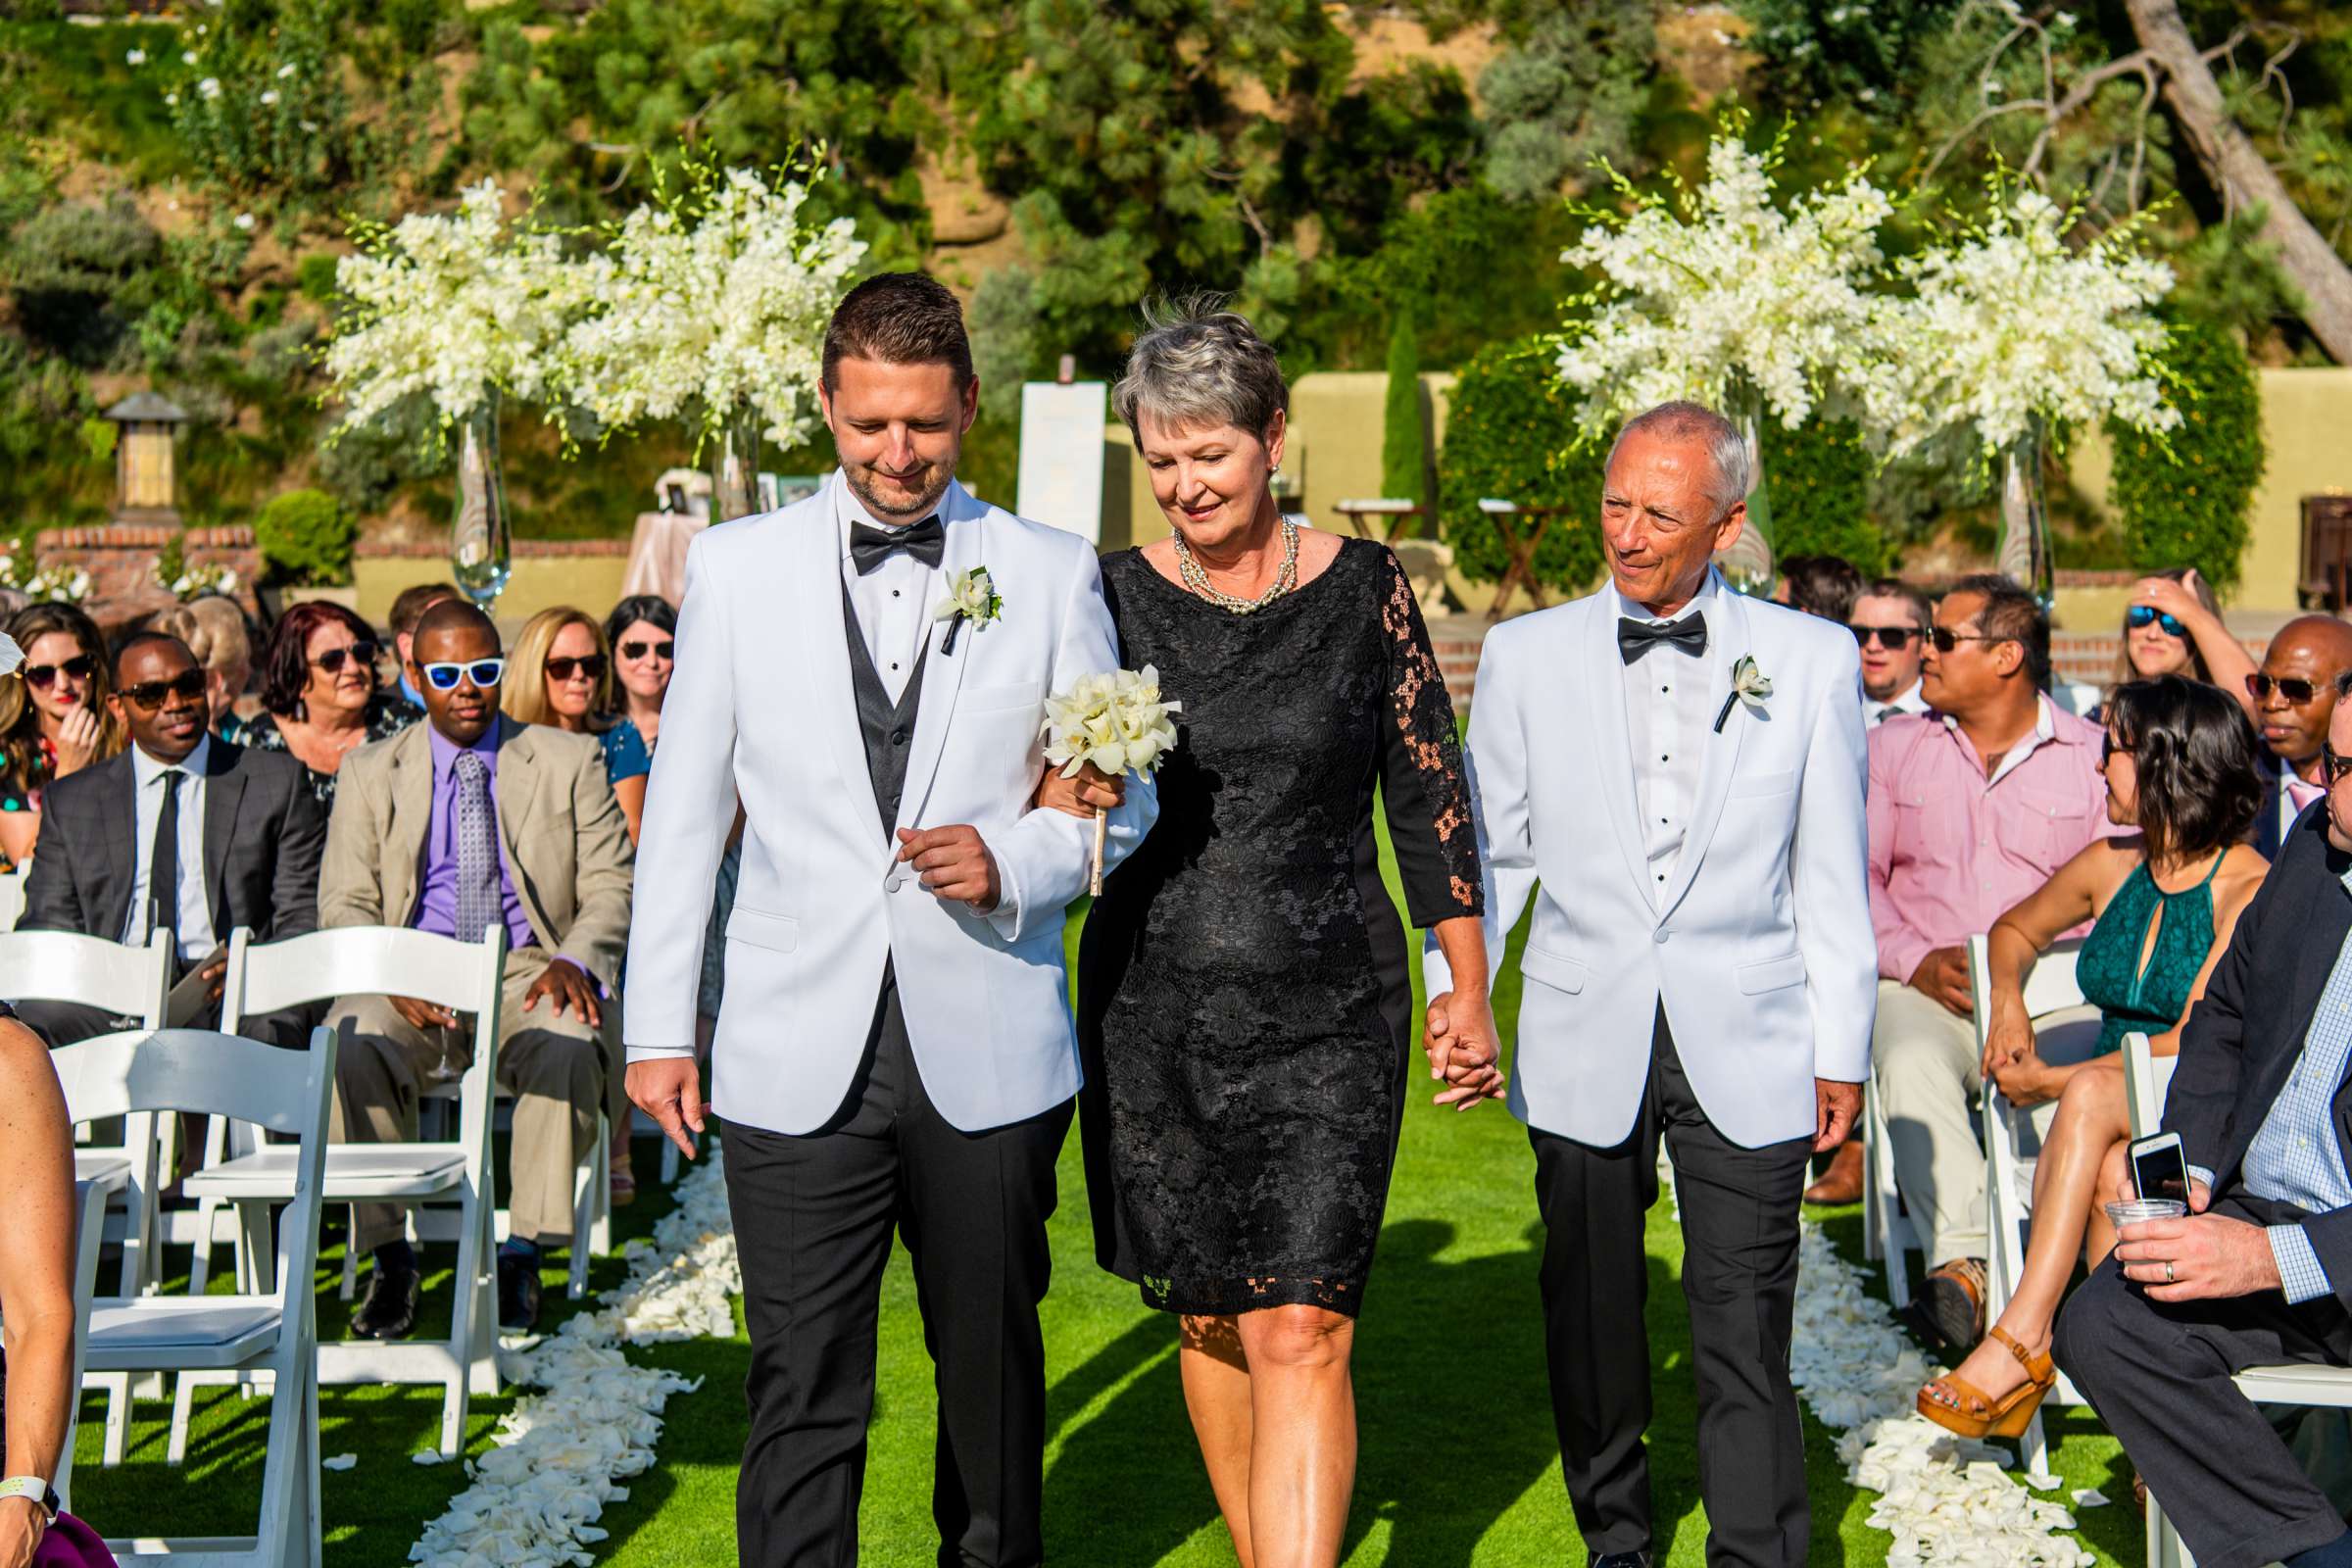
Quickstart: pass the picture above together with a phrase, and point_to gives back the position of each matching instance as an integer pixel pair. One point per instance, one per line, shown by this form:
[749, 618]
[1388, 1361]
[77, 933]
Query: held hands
[1091, 790]
[669, 1090]
[1944, 975]
[1459, 1036]
[2198, 1258]
[954, 864]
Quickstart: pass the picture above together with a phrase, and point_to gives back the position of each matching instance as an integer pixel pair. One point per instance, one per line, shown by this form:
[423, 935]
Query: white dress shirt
[196, 937]
[894, 601]
[1666, 719]
[1876, 713]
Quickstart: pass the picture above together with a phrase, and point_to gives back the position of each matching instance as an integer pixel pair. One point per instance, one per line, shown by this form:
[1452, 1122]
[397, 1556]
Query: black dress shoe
[389, 1310]
[1620, 1559]
[518, 1295]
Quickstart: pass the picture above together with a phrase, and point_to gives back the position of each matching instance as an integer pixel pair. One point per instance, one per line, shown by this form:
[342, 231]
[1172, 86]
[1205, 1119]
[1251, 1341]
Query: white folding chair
[245, 1173]
[2050, 988]
[1886, 1230]
[198, 1071]
[12, 903]
[97, 1176]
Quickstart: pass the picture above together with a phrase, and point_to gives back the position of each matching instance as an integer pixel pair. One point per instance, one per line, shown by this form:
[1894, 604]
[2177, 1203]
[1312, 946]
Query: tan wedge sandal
[1971, 1413]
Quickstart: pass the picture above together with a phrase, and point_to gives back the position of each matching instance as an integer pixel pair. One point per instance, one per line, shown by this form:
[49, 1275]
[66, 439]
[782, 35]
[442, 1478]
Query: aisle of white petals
[1944, 1499]
[561, 1454]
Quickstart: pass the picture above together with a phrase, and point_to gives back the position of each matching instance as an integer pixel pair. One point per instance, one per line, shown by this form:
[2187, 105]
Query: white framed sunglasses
[484, 672]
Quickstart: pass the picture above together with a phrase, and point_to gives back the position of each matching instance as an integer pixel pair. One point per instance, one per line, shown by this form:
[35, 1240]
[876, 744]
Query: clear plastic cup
[2142, 1209]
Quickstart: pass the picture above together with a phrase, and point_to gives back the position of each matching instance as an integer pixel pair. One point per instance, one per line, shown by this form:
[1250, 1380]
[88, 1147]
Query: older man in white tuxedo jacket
[1682, 770]
[895, 1051]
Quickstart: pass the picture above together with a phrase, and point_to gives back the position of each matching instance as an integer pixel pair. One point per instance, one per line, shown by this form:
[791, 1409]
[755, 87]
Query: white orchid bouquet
[1117, 721]
[56, 584]
[2011, 326]
[195, 579]
[1721, 294]
[462, 307]
[712, 302]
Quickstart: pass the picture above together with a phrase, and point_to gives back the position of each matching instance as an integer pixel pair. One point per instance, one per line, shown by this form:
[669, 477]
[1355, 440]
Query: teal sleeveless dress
[2149, 1000]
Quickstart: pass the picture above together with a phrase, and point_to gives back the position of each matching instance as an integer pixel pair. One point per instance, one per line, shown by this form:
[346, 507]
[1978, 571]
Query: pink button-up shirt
[1950, 851]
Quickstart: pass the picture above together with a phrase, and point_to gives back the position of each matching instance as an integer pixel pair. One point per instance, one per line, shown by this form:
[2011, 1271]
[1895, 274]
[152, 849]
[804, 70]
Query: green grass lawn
[1458, 1461]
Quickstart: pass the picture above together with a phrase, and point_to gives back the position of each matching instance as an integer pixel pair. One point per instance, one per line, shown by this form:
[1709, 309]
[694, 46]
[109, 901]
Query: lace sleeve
[1421, 778]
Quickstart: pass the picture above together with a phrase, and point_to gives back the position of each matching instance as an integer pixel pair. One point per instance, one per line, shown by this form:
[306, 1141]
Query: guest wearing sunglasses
[2174, 626]
[643, 632]
[466, 819]
[184, 832]
[1891, 622]
[1972, 806]
[561, 676]
[54, 721]
[2293, 697]
[322, 695]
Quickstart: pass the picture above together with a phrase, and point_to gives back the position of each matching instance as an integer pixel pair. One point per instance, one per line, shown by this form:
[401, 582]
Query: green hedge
[305, 539]
[1817, 477]
[1508, 434]
[2189, 507]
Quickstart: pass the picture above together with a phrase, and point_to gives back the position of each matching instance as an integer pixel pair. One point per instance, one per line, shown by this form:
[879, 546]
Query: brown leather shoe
[1841, 1183]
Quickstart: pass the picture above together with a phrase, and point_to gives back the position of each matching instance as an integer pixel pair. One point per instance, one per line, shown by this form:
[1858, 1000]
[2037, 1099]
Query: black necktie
[927, 541]
[162, 864]
[1638, 637]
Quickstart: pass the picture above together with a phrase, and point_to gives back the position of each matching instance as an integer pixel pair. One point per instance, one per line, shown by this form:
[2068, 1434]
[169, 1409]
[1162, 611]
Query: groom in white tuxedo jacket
[1682, 770]
[895, 1051]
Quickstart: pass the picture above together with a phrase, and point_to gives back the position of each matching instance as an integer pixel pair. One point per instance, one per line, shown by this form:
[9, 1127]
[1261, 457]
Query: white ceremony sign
[1062, 455]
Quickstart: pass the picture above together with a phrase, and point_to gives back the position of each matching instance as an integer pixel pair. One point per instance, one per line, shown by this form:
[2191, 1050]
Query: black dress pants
[2159, 1374]
[814, 1216]
[1739, 1244]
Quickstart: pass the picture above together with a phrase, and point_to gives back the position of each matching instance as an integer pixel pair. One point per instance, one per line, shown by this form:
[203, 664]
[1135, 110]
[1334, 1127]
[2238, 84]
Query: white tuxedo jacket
[1759, 945]
[762, 709]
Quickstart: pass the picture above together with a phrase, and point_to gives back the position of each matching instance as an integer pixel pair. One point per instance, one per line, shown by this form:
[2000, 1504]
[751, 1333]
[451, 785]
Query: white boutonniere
[971, 596]
[1749, 685]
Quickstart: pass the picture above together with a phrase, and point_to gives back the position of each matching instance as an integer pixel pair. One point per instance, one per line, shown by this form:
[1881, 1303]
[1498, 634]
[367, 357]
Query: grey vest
[888, 729]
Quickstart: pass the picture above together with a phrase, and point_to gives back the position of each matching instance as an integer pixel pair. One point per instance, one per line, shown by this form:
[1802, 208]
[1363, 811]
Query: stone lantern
[145, 487]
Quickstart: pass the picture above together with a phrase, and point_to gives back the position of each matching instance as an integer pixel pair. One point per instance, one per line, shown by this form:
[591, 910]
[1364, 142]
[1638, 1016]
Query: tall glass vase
[2025, 554]
[480, 541]
[735, 466]
[1748, 564]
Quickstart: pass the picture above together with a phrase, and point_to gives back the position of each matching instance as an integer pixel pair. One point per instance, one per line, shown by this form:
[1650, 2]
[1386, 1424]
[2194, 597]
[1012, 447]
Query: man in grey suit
[181, 832]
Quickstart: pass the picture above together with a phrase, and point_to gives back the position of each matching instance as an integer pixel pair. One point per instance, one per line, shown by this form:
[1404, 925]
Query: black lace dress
[1244, 1005]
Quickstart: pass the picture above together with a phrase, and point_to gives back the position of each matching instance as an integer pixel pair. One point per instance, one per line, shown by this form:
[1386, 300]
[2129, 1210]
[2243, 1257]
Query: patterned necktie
[163, 861]
[479, 905]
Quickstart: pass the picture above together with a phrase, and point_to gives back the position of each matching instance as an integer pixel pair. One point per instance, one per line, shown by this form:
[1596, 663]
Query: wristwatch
[35, 1488]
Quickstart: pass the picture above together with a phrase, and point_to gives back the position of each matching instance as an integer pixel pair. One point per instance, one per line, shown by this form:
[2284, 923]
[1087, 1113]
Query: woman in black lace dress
[1244, 1000]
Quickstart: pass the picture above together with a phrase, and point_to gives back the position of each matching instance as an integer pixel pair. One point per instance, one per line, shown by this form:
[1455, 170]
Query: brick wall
[121, 561]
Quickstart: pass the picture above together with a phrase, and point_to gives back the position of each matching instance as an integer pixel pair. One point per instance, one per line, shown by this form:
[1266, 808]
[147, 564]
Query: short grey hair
[1197, 365]
[1727, 448]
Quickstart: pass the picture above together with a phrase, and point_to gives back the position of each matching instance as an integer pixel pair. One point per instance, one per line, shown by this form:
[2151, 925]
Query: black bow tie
[1638, 637]
[927, 541]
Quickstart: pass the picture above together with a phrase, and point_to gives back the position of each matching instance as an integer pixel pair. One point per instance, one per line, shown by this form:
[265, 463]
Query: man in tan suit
[452, 825]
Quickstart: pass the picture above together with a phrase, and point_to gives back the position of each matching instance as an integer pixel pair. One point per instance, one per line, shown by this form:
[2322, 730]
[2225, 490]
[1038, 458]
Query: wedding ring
[2168, 1271]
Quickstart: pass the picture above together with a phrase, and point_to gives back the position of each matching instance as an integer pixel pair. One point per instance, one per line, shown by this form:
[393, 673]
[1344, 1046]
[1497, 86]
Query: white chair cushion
[154, 1331]
[354, 1172]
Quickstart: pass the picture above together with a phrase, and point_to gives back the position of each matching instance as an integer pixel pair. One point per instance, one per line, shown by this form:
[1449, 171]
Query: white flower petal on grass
[340, 1461]
[429, 1456]
[2089, 1498]
[285, 72]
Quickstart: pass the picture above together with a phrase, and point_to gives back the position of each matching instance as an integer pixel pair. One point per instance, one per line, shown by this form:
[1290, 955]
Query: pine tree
[1403, 445]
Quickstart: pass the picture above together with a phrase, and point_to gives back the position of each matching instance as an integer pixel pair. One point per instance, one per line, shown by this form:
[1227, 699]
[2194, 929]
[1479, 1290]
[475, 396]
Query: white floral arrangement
[1722, 294]
[709, 304]
[57, 585]
[461, 307]
[2011, 326]
[1115, 721]
[196, 579]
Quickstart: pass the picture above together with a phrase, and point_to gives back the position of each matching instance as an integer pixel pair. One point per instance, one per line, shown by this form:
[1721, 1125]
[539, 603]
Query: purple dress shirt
[437, 889]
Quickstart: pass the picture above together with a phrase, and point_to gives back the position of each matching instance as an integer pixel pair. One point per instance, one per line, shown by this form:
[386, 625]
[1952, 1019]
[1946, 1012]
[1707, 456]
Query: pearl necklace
[1197, 579]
